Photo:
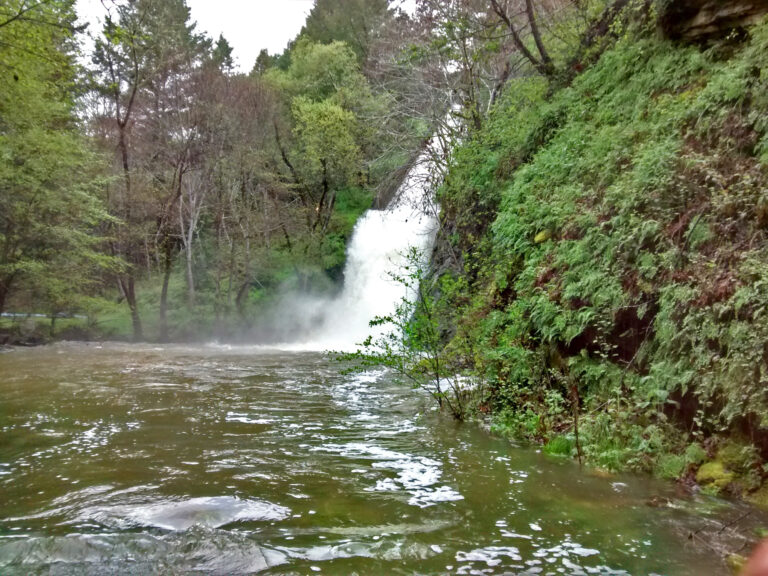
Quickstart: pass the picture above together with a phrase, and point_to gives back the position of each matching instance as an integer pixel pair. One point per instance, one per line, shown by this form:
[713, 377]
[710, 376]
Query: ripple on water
[212, 512]
[200, 551]
[392, 549]
[491, 556]
[243, 418]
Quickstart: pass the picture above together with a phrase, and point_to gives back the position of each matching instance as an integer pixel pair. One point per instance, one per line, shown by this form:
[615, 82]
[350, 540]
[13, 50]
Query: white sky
[248, 25]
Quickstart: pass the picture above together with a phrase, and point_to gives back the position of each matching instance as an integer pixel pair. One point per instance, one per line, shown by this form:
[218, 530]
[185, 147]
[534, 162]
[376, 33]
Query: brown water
[179, 460]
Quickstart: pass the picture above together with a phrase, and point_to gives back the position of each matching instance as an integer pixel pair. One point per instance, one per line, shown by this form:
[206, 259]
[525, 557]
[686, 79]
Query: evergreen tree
[354, 22]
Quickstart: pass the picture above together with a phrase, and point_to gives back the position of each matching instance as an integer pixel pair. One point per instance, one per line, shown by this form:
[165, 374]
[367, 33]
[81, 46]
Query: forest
[155, 191]
[601, 266]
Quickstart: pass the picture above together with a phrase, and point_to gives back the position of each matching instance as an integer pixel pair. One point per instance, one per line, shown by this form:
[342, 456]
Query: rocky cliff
[703, 19]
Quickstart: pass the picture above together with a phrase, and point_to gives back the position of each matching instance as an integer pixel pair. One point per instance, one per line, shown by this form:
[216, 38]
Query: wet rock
[701, 19]
[600, 473]
[658, 502]
[714, 475]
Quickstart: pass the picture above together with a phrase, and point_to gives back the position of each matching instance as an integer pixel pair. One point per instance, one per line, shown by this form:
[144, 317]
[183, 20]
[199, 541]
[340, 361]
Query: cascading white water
[378, 248]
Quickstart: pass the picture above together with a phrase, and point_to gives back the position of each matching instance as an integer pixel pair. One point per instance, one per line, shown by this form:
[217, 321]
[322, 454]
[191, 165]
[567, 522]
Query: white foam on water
[417, 476]
[491, 555]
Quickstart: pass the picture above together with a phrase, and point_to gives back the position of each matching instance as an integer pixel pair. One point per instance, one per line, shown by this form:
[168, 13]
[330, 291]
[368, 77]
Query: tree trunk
[543, 66]
[128, 283]
[545, 59]
[219, 220]
[190, 271]
[331, 206]
[498, 88]
[231, 271]
[5, 288]
[148, 258]
[129, 289]
[194, 207]
[167, 268]
[265, 213]
[240, 299]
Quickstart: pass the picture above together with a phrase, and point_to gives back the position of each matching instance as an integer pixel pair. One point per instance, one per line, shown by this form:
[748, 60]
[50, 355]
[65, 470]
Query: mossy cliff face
[612, 241]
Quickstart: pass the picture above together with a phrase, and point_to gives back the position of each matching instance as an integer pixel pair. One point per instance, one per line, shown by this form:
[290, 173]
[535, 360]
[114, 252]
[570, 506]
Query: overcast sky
[249, 25]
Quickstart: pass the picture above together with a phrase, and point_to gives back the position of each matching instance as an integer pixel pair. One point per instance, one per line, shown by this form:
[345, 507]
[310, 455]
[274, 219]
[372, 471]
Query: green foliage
[354, 22]
[222, 54]
[322, 71]
[611, 235]
[325, 142]
[50, 185]
[409, 342]
[670, 466]
[695, 454]
[561, 446]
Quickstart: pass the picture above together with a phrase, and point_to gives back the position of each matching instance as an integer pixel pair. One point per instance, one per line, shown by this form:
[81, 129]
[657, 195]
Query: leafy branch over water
[411, 342]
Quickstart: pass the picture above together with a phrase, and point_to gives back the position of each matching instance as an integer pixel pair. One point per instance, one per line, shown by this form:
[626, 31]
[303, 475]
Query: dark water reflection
[141, 460]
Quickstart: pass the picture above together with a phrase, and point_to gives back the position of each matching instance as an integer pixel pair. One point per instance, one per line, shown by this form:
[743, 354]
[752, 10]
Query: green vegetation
[610, 231]
[159, 178]
[50, 178]
[601, 271]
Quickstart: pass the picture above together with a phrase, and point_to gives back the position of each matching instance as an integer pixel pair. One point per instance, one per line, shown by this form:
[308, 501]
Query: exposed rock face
[701, 19]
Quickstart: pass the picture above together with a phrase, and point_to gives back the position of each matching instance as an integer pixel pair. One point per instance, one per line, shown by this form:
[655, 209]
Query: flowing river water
[135, 459]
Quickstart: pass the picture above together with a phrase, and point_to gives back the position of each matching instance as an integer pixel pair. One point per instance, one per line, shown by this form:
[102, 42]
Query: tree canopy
[50, 203]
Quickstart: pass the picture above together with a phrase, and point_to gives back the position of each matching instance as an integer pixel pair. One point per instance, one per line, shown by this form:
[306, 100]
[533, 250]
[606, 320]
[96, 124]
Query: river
[136, 459]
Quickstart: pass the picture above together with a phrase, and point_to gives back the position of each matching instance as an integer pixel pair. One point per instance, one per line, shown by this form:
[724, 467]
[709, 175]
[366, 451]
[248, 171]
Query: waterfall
[377, 249]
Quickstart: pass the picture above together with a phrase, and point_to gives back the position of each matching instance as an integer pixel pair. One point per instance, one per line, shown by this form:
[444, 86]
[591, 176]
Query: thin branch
[23, 11]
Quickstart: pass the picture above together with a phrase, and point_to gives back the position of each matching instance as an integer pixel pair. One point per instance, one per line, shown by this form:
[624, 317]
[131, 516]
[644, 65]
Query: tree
[222, 55]
[321, 71]
[145, 61]
[542, 62]
[122, 61]
[353, 22]
[327, 99]
[263, 63]
[328, 154]
[49, 179]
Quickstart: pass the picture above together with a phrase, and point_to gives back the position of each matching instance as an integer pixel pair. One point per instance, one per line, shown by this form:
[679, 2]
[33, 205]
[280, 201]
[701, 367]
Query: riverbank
[603, 258]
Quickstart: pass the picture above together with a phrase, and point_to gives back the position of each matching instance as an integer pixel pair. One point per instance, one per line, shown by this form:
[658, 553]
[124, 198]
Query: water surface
[122, 459]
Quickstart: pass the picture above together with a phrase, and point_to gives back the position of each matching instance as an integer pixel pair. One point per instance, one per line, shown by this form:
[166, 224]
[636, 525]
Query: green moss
[741, 458]
[714, 475]
[760, 498]
[736, 562]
